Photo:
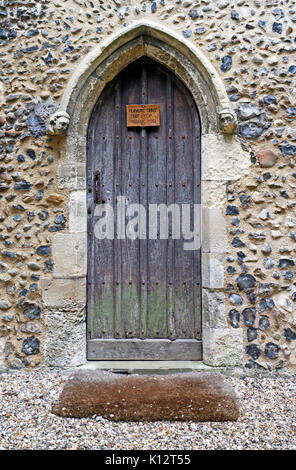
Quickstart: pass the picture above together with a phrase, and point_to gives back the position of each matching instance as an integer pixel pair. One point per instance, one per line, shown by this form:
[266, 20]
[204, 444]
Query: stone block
[203, 396]
[77, 212]
[213, 194]
[70, 254]
[72, 176]
[76, 139]
[214, 232]
[213, 271]
[63, 293]
[223, 347]
[2, 351]
[65, 344]
[213, 309]
[223, 158]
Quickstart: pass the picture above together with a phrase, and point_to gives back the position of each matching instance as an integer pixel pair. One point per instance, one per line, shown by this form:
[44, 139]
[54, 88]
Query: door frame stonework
[222, 160]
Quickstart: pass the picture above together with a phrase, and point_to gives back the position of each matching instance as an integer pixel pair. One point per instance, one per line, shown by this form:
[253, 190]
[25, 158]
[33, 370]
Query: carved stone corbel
[228, 121]
[57, 123]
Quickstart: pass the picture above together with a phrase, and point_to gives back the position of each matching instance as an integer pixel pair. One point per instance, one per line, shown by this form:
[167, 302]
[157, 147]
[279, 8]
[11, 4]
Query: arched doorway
[222, 160]
[144, 280]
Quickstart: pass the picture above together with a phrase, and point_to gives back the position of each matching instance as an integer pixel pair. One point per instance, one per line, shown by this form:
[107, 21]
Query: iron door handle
[97, 187]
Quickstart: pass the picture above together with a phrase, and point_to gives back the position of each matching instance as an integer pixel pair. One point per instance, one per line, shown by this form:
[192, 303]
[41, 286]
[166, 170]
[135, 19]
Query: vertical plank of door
[131, 146]
[90, 232]
[143, 245]
[101, 303]
[118, 321]
[184, 260]
[157, 321]
[197, 200]
[170, 200]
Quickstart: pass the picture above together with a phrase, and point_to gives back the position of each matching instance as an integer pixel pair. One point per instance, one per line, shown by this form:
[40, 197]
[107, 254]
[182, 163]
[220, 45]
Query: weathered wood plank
[130, 158]
[184, 194]
[117, 184]
[101, 252]
[144, 350]
[144, 201]
[157, 319]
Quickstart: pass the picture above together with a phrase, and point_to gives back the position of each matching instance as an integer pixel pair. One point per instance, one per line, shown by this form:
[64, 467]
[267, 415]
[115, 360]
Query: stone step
[194, 396]
[155, 367]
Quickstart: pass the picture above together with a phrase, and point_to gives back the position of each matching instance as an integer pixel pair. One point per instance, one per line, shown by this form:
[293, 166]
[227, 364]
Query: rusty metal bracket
[97, 187]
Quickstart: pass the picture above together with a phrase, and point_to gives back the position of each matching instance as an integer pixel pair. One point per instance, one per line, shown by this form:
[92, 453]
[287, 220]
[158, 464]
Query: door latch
[97, 187]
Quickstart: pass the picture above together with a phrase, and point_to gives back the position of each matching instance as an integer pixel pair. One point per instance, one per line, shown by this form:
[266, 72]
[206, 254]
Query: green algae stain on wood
[100, 311]
[157, 323]
[184, 319]
[130, 310]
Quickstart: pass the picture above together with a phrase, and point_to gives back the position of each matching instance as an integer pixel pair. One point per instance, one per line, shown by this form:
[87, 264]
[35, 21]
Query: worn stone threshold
[155, 367]
[195, 396]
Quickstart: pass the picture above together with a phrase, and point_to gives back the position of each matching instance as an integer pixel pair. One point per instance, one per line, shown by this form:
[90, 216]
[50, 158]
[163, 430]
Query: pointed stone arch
[145, 39]
[222, 160]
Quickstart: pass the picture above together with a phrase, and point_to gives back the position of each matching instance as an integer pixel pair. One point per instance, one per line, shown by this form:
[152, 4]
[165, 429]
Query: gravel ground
[267, 420]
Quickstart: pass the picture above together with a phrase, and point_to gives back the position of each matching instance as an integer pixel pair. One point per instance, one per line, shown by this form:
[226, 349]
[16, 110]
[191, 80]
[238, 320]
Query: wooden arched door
[143, 294]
